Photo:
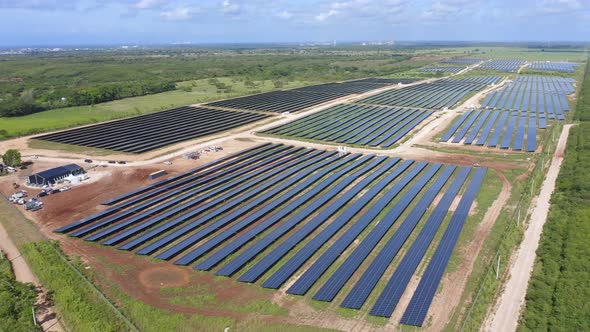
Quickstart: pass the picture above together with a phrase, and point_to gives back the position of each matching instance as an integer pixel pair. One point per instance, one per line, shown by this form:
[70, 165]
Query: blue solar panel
[509, 132]
[270, 205]
[498, 130]
[397, 284]
[242, 240]
[401, 115]
[286, 270]
[531, 139]
[268, 157]
[302, 285]
[268, 152]
[359, 294]
[456, 126]
[411, 125]
[520, 130]
[487, 129]
[259, 246]
[241, 176]
[476, 128]
[420, 303]
[345, 271]
[263, 265]
[248, 189]
[270, 195]
[244, 154]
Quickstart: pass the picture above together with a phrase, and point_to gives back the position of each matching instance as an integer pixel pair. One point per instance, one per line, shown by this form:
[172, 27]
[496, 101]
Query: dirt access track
[506, 313]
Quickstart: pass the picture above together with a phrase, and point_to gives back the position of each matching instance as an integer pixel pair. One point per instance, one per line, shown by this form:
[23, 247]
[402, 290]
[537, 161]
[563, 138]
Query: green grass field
[200, 91]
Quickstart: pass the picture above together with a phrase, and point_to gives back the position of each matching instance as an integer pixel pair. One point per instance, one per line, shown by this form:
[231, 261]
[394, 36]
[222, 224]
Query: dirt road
[507, 312]
[45, 315]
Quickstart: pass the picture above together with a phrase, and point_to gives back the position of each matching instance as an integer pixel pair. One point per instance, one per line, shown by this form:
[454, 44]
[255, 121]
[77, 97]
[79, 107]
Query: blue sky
[63, 22]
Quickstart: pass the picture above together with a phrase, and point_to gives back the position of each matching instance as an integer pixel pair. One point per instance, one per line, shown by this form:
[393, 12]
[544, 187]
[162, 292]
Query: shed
[51, 176]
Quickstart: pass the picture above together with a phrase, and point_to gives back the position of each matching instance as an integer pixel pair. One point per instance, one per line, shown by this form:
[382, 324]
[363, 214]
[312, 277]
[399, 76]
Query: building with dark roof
[51, 176]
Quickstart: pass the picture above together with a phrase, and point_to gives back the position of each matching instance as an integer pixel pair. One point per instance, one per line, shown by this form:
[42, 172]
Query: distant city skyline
[94, 22]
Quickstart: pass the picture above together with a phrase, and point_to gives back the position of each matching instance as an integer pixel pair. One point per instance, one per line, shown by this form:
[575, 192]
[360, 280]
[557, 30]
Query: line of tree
[28, 102]
[559, 291]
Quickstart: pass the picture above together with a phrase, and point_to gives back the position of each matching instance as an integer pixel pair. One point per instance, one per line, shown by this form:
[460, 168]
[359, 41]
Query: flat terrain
[141, 283]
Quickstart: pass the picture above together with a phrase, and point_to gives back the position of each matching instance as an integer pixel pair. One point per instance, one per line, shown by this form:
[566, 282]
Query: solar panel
[420, 303]
[279, 277]
[365, 285]
[389, 297]
[351, 264]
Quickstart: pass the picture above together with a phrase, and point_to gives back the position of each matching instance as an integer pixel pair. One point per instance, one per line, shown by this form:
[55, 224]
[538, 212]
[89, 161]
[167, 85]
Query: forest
[558, 293]
[30, 84]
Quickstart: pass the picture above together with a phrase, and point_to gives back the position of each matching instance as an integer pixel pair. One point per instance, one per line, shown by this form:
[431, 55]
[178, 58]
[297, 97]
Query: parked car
[65, 188]
[55, 191]
[88, 161]
[112, 162]
[122, 162]
[42, 194]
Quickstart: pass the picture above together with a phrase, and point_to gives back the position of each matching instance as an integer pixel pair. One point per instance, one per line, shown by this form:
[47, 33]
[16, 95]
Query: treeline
[16, 301]
[559, 291]
[84, 79]
[28, 102]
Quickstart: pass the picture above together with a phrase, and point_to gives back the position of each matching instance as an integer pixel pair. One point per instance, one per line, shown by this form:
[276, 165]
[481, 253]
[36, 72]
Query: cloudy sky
[69, 22]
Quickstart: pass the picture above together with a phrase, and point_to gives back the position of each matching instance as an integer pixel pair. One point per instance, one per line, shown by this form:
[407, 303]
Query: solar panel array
[377, 80]
[266, 211]
[503, 129]
[355, 124]
[442, 69]
[462, 61]
[509, 65]
[564, 67]
[295, 100]
[543, 95]
[149, 132]
[436, 95]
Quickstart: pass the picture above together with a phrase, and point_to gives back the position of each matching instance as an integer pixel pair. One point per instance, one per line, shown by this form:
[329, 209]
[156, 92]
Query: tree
[12, 157]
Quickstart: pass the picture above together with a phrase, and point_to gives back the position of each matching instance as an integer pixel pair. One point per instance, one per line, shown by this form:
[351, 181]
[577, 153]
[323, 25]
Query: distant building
[51, 176]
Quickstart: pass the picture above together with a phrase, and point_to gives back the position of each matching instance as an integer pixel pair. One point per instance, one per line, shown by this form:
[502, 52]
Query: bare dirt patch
[164, 276]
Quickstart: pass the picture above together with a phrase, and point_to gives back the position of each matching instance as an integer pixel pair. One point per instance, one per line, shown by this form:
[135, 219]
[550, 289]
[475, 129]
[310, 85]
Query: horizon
[160, 22]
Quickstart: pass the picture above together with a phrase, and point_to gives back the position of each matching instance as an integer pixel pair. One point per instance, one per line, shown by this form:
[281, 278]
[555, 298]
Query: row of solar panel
[442, 69]
[275, 194]
[355, 124]
[437, 95]
[564, 67]
[537, 96]
[462, 61]
[516, 129]
[509, 65]
[148, 132]
[295, 100]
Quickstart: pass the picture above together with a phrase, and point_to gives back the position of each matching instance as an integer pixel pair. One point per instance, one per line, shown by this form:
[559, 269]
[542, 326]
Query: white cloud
[560, 6]
[230, 8]
[285, 15]
[324, 16]
[146, 4]
[177, 14]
